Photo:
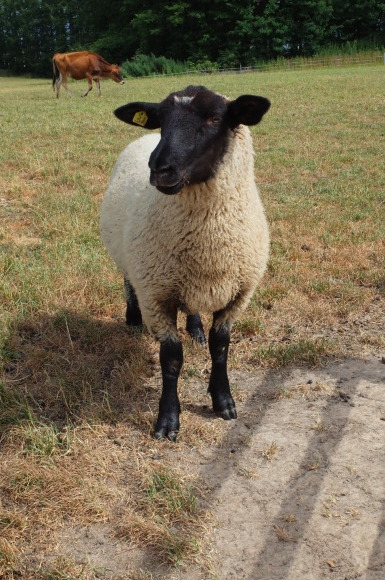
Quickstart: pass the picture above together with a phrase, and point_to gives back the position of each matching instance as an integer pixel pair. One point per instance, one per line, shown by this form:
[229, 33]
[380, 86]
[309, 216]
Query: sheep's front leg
[219, 387]
[171, 360]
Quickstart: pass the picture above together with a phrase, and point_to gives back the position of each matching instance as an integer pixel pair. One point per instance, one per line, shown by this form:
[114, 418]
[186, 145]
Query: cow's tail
[56, 74]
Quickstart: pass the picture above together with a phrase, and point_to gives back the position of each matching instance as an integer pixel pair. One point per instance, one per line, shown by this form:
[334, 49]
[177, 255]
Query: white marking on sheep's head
[194, 126]
[183, 100]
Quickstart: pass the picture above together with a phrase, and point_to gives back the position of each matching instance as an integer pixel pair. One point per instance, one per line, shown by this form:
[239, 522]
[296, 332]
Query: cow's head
[116, 75]
[195, 126]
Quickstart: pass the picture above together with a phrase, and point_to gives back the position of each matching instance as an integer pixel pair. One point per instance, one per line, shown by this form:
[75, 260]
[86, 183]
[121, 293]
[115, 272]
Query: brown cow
[82, 65]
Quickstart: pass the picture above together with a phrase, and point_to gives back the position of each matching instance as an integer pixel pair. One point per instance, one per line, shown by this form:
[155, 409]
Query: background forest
[224, 32]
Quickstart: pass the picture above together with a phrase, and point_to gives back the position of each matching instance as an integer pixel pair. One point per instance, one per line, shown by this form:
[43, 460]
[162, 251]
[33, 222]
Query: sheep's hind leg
[219, 387]
[195, 328]
[133, 314]
[171, 360]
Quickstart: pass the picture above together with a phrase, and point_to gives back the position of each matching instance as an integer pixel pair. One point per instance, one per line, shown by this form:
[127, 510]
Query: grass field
[78, 392]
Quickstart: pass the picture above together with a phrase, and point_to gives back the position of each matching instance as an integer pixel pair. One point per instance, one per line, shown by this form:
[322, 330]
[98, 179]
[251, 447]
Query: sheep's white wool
[207, 246]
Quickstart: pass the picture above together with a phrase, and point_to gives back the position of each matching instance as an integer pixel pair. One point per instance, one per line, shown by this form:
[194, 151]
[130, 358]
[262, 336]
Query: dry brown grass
[106, 475]
[270, 451]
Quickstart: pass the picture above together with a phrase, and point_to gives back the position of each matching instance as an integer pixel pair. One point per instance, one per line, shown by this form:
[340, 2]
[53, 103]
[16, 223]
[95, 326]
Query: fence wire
[288, 64]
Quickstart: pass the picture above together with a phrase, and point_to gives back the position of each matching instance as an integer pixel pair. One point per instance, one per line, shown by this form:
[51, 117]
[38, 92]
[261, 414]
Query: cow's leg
[97, 82]
[89, 79]
[57, 85]
[63, 81]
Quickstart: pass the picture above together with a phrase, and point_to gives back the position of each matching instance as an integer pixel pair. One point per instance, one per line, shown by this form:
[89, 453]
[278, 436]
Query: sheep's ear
[139, 114]
[247, 110]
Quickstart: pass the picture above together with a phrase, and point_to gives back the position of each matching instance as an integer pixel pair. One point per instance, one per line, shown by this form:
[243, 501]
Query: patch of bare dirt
[296, 486]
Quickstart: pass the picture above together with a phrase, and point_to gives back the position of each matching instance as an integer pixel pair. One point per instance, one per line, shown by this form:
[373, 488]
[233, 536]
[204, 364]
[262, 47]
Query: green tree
[357, 20]
[260, 32]
[25, 28]
[32, 30]
[191, 29]
[307, 22]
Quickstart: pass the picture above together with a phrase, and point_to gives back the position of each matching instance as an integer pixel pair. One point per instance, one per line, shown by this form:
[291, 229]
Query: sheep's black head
[194, 127]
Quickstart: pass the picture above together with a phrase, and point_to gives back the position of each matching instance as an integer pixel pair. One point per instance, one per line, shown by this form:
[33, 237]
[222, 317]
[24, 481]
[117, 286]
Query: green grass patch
[44, 440]
[310, 352]
[14, 408]
[165, 490]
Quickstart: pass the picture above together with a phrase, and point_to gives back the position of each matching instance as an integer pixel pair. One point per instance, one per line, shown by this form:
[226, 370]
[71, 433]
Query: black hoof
[162, 434]
[224, 407]
[227, 414]
[167, 426]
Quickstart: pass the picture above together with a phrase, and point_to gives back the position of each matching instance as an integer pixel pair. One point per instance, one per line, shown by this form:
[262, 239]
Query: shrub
[142, 65]
[203, 66]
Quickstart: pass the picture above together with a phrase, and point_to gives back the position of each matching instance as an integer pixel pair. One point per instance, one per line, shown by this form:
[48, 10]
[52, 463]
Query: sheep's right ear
[247, 110]
[139, 114]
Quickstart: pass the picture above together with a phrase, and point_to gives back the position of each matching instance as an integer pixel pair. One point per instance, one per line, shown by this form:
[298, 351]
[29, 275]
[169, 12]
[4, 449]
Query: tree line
[224, 32]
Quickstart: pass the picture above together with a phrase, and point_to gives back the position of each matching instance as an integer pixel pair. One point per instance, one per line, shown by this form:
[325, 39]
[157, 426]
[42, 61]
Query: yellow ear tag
[140, 118]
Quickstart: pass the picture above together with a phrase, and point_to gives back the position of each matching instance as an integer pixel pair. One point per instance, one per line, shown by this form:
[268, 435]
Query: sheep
[183, 221]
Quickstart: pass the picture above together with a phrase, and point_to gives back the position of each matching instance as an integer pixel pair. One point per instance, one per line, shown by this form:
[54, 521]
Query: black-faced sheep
[183, 221]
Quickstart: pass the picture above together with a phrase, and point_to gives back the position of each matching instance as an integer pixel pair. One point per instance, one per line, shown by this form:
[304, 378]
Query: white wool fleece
[205, 248]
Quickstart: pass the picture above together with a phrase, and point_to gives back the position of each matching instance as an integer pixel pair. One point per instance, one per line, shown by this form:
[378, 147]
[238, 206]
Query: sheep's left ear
[139, 114]
[247, 110]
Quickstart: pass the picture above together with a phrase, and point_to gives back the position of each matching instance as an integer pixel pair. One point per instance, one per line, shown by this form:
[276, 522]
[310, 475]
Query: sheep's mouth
[170, 189]
[168, 183]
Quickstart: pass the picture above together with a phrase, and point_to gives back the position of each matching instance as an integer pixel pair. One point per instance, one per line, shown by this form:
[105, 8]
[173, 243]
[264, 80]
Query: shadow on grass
[70, 367]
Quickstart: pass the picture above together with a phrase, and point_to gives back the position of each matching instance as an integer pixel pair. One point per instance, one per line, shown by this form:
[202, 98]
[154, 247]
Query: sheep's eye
[214, 120]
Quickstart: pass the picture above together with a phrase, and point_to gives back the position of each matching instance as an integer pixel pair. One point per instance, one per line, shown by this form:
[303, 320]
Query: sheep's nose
[162, 175]
[163, 166]
[164, 170]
